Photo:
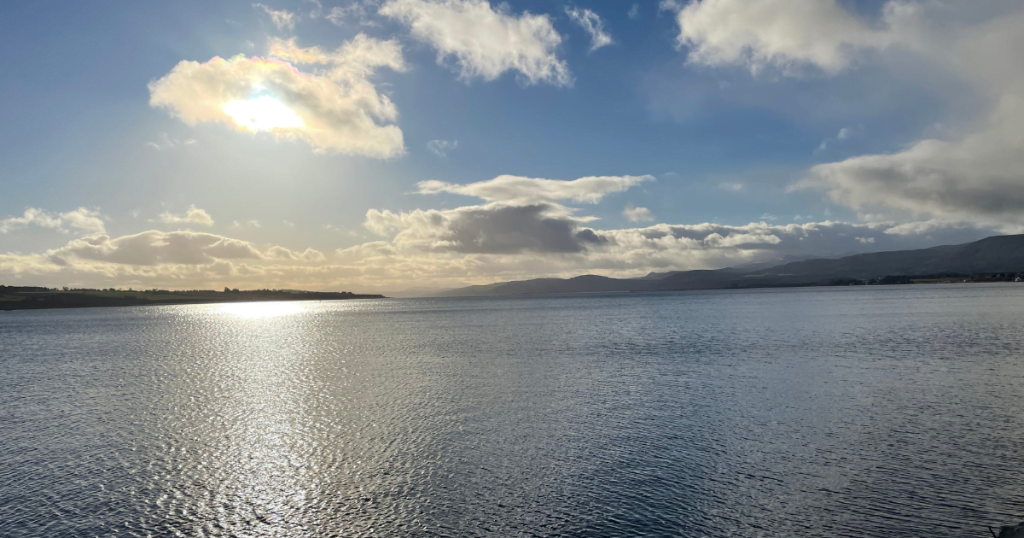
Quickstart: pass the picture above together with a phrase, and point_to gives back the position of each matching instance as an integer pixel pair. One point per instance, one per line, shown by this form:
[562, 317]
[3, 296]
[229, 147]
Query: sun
[262, 114]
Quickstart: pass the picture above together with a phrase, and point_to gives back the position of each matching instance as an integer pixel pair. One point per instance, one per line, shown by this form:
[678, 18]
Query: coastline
[32, 298]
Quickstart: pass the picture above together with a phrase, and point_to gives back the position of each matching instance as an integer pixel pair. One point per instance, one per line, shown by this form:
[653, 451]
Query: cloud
[281, 18]
[193, 215]
[592, 23]
[468, 245]
[976, 173]
[522, 215]
[281, 253]
[733, 186]
[357, 10]
[634, 12]
[156, 248]
[483, 41]
[336, 110]
[166, 143]
[526, 190]
[442, 147]
[81, 219]
[637, 214]
[492, 228]
[844, 134]
[785, 35]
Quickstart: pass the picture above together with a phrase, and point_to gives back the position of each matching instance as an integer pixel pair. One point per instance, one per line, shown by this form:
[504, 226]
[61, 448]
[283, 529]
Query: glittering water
[880, 411]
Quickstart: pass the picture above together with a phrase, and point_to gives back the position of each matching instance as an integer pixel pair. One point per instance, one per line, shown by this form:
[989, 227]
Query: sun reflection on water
[262, 309]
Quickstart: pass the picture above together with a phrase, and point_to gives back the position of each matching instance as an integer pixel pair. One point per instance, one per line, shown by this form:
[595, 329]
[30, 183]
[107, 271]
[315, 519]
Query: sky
[396, 145]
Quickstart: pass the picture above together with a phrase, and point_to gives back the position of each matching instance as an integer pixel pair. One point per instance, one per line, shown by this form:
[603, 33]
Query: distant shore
[39, 298]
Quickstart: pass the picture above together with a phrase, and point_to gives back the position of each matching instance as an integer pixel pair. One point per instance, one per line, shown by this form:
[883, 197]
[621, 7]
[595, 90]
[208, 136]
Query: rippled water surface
[870, 411]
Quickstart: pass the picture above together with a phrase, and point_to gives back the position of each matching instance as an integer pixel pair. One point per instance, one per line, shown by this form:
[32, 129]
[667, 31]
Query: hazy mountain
[750, 266]
[999, 254]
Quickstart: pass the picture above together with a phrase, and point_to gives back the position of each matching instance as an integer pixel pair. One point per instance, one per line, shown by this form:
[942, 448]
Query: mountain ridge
[992, 255]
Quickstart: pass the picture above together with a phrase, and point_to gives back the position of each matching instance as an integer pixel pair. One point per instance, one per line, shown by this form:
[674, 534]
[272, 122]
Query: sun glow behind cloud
[263, 114]
[337, 108]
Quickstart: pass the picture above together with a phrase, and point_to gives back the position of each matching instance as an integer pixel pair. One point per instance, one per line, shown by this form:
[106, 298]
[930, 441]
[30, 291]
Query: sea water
[860, 411]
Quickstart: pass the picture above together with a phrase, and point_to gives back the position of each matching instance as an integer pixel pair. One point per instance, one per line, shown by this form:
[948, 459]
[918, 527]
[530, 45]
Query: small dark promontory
[32, 298]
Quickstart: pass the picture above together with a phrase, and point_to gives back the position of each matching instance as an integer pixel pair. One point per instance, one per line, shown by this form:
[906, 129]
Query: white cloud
[467, 245]
[81, 219]
[977, 173]
[637, 214]
[485, 42]
[281, 18]
[593, 25]
[844, 134]
[442, 147]
[733, 186]
[165, 142]
[786, 35]
[155, 248]
[334, 110]
[193, 215]
[281, 253]
[527, 190]
[634, 11]
[974, 172]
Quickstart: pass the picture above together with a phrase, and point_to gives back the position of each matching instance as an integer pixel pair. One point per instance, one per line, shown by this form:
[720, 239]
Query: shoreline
[24, 298]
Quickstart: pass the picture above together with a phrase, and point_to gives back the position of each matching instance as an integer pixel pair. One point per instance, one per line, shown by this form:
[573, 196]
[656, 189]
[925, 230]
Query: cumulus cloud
[281, 253]
[81, 220]
[282, 18]
[334, 109]
[637, 214]
[193, 215]
[485, 41]
[155, 248]
[592, 23]
[442, 147]
[787, 35]
[492, 228]
[527, 190]
[976, 174]
[470, 245]
[176, 260]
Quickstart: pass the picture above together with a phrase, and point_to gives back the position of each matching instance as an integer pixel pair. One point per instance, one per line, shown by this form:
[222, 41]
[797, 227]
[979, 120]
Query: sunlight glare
[262, 114]
[261, 309]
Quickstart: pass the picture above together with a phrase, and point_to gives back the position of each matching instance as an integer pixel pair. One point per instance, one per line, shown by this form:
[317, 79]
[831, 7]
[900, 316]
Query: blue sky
[757, 128]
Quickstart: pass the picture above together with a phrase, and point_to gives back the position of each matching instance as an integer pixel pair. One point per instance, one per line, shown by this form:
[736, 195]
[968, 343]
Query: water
[869, 411]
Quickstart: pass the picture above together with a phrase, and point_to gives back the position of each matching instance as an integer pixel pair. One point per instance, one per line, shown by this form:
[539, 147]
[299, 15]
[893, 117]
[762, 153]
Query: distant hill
[993, 255]
[36, 298]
